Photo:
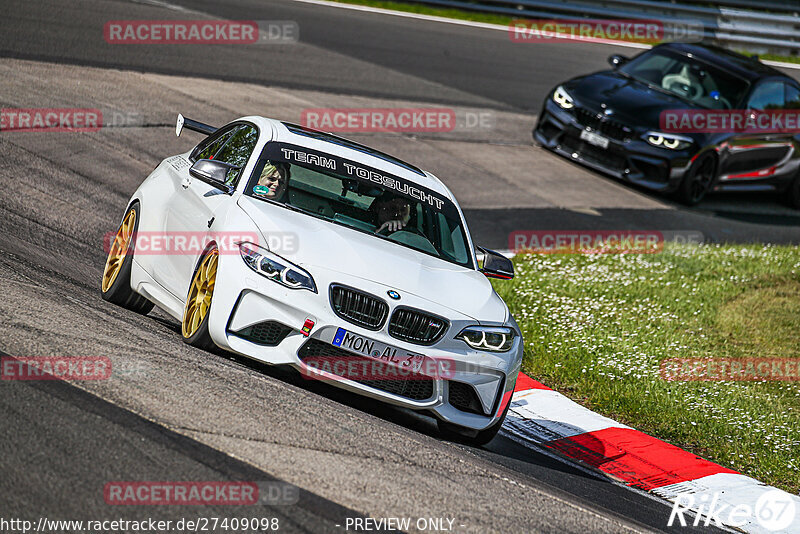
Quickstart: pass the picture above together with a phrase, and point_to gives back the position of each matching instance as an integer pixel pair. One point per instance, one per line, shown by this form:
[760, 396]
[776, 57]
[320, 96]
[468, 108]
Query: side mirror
[212, 171]
[616, 60]
[495, 265]
[179, 125]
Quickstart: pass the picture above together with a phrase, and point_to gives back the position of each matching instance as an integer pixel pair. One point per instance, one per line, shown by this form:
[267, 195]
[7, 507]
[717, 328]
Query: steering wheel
[690, 91]
[410, 229]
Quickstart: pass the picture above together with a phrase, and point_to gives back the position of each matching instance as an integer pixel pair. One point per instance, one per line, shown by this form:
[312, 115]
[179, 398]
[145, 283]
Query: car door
[753, 155]
[793, 106]
[194, 207]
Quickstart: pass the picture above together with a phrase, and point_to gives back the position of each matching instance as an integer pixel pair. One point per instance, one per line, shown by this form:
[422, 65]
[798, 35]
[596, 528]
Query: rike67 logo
[774, 511]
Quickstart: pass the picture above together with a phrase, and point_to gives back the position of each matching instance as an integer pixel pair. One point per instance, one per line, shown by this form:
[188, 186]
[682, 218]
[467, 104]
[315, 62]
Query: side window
[237, 151]
[768, 95]
[209, 147]
[792, 97]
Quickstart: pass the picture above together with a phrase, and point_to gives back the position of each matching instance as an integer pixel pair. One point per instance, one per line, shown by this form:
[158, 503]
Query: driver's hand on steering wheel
[391, 226]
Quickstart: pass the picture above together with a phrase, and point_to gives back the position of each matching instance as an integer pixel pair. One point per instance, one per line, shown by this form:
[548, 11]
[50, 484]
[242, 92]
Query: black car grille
[358, 307]
[325, 356]
[652, 171]
[416, 326]
[268, 333]
[600, 124]
[606, 157]
[464, 397]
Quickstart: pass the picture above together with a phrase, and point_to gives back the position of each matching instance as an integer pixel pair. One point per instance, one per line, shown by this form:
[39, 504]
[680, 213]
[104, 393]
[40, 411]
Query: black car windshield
[414, 220]
[688, 78]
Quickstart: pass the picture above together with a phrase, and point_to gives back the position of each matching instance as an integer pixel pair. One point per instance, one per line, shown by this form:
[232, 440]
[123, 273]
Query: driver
[273, 182]
[390, 212]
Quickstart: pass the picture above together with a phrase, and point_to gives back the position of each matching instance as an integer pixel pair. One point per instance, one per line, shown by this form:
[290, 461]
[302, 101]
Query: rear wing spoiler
[189, 124]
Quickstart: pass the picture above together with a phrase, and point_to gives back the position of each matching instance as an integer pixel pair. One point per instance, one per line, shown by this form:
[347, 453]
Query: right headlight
[489, 338]
[276, 268]
[670, 141]
[562, 98]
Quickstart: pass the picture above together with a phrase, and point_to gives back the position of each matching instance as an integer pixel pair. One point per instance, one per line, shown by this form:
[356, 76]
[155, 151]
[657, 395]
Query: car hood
[324, 245]
[631, 102]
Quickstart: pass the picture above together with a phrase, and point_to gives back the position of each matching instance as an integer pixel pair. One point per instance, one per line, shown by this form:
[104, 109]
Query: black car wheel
[699, 180]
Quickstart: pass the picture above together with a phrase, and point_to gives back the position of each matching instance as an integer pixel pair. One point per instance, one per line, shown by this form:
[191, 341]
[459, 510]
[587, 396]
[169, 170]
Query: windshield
[359, 197]
[688, 78]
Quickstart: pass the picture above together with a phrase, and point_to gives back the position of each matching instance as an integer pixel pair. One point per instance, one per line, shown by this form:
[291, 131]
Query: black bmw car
[611, 121]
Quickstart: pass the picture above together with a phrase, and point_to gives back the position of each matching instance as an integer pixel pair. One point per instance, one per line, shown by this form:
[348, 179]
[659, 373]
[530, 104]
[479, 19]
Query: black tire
[699, 180]
[457, 433]
[201, 338]
[120, 292]
[792, 193]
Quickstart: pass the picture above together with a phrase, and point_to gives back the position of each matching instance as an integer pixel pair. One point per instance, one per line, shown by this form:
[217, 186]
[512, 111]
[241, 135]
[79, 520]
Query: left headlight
[489, 338]
[562, 98]
[670, 141]
[276, 268]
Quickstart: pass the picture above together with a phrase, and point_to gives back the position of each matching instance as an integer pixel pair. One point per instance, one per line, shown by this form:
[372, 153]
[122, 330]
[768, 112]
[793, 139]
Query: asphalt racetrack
[177, 413]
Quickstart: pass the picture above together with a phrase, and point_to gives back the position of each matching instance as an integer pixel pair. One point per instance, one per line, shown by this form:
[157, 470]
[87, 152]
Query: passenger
[273, 182]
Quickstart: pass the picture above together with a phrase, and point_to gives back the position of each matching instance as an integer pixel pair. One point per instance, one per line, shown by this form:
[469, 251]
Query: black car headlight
[670, 141]
[489, 338]
[276, 268]
[562, 98]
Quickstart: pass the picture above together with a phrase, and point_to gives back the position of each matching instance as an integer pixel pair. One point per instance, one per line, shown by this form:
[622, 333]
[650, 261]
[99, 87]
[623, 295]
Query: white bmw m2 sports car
[293, 246]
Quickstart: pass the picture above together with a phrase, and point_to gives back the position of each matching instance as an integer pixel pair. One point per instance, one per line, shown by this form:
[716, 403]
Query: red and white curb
[543, 417]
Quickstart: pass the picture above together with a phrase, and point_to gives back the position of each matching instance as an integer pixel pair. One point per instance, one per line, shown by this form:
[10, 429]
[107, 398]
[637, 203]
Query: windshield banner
[344, 168]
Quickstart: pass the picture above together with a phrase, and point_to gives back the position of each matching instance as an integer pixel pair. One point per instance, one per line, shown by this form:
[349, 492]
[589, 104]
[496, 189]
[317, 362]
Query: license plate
[378, 351]
[594, 139]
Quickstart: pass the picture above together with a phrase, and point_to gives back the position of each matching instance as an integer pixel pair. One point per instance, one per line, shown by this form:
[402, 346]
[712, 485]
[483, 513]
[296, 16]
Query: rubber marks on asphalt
[542, 417]
[635, 458]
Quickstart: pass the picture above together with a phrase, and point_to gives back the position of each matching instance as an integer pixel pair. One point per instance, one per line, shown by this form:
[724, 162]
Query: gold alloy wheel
[119, 249]
[199, 300]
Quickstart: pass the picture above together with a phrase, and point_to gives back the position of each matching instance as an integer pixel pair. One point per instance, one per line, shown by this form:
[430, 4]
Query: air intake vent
[268, 333]
[358, 307]
[464, 397]
[416, 326]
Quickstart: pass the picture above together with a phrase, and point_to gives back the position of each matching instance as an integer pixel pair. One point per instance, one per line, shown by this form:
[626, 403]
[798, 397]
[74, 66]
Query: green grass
[773, 57]
[449, 13]
[502, 20]
[597, 326]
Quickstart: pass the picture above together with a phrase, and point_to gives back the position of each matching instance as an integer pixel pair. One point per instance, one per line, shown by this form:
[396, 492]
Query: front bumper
[627, 157]
[243, 300]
